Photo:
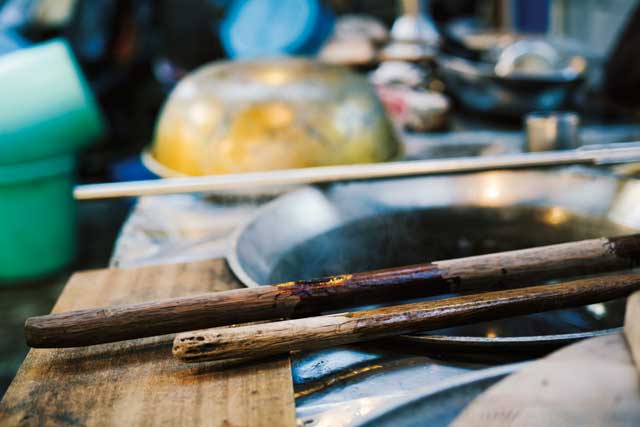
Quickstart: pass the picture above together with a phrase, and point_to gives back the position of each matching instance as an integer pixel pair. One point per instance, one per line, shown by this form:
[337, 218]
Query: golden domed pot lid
[246, 116]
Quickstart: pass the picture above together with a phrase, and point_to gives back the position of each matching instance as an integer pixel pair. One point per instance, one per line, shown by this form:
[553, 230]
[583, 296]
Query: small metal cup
[554, 130]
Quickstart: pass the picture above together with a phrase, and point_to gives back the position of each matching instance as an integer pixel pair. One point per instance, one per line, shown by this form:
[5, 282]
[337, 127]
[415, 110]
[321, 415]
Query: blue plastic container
[270, 28]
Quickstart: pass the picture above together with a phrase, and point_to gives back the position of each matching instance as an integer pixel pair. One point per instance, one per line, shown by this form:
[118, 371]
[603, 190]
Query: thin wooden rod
[321, 174]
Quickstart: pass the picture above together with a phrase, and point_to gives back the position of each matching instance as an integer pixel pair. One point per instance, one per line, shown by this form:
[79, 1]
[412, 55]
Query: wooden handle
[324, 331]
[309, 297]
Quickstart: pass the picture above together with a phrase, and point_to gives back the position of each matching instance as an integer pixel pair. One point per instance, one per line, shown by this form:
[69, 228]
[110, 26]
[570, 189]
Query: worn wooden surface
[138, 382]
[307, 297]
[343, 328]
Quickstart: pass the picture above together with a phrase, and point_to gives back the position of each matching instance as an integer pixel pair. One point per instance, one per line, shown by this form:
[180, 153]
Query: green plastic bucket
[47, 113]
[37, 218]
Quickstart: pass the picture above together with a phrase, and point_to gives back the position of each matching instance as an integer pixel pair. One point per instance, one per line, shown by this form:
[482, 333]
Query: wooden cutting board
[138, 382]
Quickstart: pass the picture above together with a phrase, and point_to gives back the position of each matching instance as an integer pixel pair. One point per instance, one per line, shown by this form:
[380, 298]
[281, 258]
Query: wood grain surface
[138, 382]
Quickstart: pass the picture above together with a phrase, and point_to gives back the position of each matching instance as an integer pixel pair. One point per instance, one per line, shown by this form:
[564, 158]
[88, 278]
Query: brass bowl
[233, 117]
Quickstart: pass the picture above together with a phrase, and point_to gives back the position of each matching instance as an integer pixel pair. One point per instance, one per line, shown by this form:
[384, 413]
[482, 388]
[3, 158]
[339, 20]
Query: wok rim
[495, 343]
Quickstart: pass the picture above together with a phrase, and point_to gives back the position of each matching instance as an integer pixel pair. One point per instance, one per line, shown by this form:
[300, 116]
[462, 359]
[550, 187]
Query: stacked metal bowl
[513, 75]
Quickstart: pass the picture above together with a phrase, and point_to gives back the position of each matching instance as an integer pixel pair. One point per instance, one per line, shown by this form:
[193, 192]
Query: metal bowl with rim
[511, 74]
[478, 87]
[269, 114]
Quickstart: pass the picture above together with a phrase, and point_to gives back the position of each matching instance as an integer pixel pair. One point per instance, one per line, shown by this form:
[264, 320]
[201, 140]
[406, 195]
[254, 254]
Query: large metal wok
[357, 226]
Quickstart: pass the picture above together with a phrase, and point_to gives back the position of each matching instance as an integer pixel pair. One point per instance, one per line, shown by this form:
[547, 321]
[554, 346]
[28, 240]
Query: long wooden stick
[309, 297]
[325, 331]
[253, 180]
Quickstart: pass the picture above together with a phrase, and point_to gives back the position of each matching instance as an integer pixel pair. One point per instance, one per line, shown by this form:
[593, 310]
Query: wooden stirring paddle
[324, 331]
[312, 297]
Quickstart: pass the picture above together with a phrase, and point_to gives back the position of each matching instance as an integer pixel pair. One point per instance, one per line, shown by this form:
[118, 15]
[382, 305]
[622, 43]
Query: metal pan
[358, 226]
